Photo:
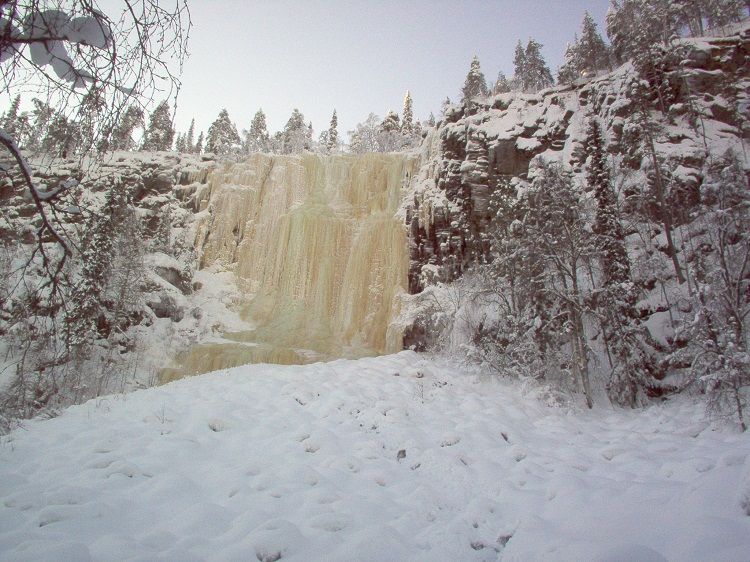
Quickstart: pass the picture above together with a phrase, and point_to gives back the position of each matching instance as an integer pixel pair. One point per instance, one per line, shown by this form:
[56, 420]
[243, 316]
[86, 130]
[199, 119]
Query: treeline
[389, 134]
[634, 27]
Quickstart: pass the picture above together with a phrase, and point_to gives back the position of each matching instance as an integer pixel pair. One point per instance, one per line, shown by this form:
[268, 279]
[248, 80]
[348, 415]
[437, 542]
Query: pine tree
[93, 106]
[61, 137]
[389, 133]
[475, 84]
[86, 302]
[431, 122]
[616, 299]
[332, 138]
[222, 135]
[717, 334]
[42, 116]
[257, 138]
[189, 139]
[122, 135]
[407, 122]
[179, 143]
[519, 63]
[570, 70]
[592, 51]
[9, 121]
[322, 146]
[557, 225]
[536, 74]
[294, 137]
[159, 133]
[502, 85]
[355, 143]
[635, 26]
[199, 144]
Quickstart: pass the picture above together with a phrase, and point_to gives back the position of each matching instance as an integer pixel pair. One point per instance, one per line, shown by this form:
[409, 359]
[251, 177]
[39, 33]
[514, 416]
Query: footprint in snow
[450, 440]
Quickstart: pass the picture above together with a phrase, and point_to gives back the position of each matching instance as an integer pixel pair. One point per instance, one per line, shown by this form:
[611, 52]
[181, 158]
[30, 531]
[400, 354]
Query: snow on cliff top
[390, 458]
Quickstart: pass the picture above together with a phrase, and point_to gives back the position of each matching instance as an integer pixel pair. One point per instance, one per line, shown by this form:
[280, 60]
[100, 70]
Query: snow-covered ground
[391, 458]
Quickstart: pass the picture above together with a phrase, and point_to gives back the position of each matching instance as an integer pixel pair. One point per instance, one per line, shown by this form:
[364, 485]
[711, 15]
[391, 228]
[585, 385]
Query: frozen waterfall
[316, 247]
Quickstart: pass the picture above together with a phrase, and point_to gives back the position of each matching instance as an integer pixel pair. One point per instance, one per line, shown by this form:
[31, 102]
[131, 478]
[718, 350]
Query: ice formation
[317, 249]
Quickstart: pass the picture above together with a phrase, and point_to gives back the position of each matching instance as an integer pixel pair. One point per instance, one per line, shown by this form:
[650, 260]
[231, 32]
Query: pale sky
[356, 56]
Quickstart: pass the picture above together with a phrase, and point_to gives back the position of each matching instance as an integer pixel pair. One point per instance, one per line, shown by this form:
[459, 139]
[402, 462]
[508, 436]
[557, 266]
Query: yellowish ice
[316, 247]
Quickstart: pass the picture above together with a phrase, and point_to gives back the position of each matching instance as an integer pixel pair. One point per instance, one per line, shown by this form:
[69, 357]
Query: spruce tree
[389, 133]
[592, 52]
[616, 299]
[42, 116]
[189, 139]
[199, 144]
[61, 137]
[502, 85]
[9, 122]
[222, 135]
[87, 307]
[407, 121]
[294, 136]
[332, 138]
[475, 84]
[536, 74]
[257, 138]
[122, 135]
[159, 133]
[570, 70]
[519, 63]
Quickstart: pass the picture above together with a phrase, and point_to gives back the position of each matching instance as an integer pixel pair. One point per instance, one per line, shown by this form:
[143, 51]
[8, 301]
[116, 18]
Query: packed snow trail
[390, 458]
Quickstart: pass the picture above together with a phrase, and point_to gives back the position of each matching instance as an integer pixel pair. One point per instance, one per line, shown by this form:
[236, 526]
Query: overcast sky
[356, 56]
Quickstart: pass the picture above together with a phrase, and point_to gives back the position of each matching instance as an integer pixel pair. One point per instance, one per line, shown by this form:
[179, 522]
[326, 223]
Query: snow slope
[390, 458]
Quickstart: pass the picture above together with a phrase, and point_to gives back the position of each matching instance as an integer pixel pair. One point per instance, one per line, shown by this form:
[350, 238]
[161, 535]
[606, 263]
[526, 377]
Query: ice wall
[316, 248]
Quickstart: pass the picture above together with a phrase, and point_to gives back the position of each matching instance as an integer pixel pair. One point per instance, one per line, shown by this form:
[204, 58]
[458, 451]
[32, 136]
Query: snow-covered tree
[257, 138]
[634, 26]
[9, 122]
[389, 133]
[717, 333]
[179, 143]
[364, 137]
[122, 136]
[160, 133]
[519, 65]
[189, 139]
[61, 137]
[332, 136]
[407, 121]
[587, 55]
[294, 137]
[475, 84]
[535, 74]
[502, 84]
[593, 52]
[557, 225]
[222, 135]
[627, 342]
[199, 144]
[86, 303]
[571, 69]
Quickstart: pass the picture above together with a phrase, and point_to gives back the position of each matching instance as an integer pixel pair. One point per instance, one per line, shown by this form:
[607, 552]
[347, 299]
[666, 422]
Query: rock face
[494, 141]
